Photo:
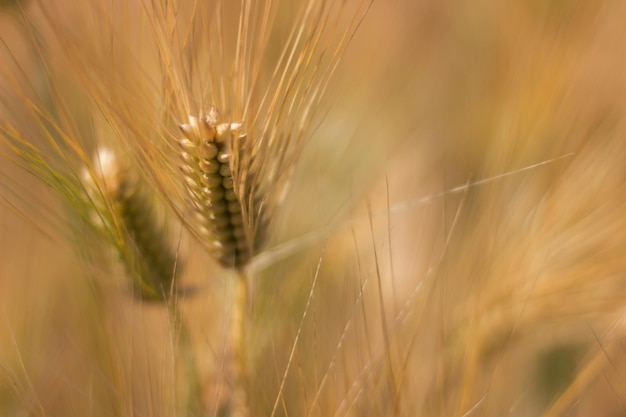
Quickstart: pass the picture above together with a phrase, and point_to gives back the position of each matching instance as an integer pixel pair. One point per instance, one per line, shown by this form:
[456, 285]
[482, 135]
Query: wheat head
[125, 211]
[220, 203]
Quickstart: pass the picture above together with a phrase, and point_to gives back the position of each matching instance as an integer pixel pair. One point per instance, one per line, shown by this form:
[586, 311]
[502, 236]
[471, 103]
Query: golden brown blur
[446, 199]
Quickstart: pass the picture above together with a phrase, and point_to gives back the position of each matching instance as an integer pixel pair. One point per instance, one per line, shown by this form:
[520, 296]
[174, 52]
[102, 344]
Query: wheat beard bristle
[206, 151]
[145, 250]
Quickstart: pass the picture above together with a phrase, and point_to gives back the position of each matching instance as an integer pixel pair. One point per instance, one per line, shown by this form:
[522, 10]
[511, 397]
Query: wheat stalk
[220, 202]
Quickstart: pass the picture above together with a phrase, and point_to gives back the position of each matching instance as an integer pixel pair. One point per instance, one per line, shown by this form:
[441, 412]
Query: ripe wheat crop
[312, 208]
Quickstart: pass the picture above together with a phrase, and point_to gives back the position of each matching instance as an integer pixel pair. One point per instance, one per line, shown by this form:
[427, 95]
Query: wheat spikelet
[140, 243]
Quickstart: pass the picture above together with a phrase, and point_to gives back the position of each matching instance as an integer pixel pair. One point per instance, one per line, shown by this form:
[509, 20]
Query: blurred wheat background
[452, 242]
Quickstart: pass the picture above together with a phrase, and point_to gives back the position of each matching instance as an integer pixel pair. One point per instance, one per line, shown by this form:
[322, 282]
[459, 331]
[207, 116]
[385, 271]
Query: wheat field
[312, 208]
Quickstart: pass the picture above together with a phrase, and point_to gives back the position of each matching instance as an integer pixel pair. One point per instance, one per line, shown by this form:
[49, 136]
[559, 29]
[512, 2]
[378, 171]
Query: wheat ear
[221, 202]
[127, 217]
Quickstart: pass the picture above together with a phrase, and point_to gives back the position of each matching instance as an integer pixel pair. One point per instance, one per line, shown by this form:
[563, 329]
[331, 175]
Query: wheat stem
[239, 343]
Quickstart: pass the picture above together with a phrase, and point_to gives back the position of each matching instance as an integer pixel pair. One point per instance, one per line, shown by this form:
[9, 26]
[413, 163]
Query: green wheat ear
[126, 216]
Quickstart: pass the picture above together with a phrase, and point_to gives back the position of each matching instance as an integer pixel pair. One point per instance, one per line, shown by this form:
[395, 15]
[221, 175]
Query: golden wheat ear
[128, 219]
[219, 200]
